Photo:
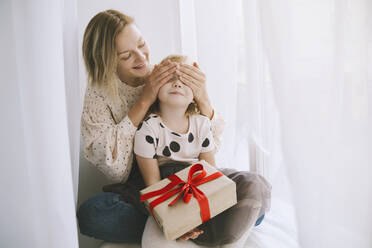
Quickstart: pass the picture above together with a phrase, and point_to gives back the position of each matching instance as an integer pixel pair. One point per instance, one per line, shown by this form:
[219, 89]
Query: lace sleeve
[107, 145]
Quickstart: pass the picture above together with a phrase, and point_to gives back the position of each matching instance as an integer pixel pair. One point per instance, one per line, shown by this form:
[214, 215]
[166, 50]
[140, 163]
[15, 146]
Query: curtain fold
[319, 65]
[72, 85]
[38, 205]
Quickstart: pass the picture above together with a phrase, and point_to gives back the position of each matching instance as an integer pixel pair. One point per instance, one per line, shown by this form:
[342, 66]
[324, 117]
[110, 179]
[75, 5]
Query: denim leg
[107, 216]
[259, 220]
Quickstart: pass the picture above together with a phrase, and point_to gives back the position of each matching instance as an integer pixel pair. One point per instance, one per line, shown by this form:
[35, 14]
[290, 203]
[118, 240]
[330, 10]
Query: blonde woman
[122, 85]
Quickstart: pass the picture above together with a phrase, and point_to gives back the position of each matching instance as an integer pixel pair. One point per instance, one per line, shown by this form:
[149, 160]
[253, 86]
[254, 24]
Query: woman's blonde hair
[99, 48]
[193, 107]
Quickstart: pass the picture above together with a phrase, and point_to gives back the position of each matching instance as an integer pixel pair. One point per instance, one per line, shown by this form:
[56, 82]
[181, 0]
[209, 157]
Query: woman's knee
[93, 212]
[109, 217]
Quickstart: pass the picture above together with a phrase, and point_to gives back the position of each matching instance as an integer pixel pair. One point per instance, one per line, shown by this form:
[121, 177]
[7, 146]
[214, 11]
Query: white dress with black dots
[108, 133]
[154, 139]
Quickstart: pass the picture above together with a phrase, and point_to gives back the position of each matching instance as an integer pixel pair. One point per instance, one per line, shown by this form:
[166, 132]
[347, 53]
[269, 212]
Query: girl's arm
[149, 169]
[208, 157]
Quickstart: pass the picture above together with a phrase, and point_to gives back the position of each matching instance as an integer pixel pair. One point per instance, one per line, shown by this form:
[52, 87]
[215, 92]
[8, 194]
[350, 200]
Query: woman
[122, 86]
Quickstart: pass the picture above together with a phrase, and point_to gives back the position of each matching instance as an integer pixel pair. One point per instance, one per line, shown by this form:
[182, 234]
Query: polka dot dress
[155, 140]
[108, 133]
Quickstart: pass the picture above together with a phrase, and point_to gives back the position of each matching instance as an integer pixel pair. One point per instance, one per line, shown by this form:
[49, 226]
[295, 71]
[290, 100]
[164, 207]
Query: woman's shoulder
[93, 92]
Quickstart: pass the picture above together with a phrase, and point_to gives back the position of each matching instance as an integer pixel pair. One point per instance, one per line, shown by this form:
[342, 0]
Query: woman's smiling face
[133, 55]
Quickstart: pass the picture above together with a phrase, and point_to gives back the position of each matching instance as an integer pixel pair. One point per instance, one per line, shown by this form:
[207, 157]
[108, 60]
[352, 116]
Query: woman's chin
[141, 72]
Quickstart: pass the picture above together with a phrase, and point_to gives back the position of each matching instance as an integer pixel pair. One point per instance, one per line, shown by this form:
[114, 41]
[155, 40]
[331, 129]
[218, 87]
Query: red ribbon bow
[188, 189]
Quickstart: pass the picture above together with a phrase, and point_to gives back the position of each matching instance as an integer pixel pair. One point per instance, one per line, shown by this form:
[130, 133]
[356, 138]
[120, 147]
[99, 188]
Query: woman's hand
[193, 234]
[196, 80]
[159, 76]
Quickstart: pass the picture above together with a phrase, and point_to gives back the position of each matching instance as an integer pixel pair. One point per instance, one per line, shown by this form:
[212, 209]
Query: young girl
[175, 136]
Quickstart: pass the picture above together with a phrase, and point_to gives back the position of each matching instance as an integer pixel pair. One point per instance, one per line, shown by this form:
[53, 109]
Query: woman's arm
[217, 125]
[107, 145]
[149, 169]
[196, 80]
[160, 75]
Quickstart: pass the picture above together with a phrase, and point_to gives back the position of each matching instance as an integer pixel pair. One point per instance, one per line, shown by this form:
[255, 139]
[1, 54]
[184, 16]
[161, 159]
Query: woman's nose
[140, 56]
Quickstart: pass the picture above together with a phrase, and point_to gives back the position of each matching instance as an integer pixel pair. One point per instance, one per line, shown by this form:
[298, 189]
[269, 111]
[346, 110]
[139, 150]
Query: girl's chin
[177, 104]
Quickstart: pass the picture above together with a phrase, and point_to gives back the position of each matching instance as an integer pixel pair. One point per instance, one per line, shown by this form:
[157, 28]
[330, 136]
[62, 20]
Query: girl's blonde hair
[193, 107]
[99, 48]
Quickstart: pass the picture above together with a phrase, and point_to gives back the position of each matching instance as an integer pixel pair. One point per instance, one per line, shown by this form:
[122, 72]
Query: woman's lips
[139, 67]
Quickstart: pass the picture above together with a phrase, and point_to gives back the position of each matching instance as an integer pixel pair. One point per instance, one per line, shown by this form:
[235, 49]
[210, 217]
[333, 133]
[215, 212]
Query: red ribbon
[188, 189]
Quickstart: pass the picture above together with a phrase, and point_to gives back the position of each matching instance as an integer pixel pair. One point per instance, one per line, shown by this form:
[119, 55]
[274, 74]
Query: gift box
[188, 198]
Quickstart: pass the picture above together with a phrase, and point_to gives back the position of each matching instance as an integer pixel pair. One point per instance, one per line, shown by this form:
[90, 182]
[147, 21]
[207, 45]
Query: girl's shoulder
[151, 122]
[200, 122]
[151, 119]
[200, 119]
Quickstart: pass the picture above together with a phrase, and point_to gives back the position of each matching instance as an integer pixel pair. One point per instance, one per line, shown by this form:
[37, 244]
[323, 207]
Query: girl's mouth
[176, 93]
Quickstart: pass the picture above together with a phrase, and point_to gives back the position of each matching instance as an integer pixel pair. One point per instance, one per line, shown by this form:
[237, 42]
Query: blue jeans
[107, 216]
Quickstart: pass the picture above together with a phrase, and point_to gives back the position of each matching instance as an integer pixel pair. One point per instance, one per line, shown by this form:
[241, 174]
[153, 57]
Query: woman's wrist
[206, 109]
[138, 111]
[144, 103]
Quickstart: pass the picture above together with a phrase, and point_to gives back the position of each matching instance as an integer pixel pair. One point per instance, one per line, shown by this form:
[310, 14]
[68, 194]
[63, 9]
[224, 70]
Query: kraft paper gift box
[182, 217]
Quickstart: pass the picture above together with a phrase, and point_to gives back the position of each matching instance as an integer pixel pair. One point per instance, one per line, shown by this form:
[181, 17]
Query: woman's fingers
[164, 71]
[192, 71]
[169, 71]
[196, 89]
[189, 81]
[164, 80]
[164, 66]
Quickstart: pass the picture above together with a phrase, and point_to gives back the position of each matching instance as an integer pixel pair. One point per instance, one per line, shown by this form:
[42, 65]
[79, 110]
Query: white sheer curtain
[230, 52]
[293, 81]
[259, 127]
[308, 73]
[39, 144]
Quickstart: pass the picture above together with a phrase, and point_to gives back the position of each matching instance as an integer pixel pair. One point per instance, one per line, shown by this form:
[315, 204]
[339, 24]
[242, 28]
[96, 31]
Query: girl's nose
[177, 83]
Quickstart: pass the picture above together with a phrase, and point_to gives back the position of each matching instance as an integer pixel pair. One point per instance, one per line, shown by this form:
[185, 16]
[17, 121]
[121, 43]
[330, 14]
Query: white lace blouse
[108, 133]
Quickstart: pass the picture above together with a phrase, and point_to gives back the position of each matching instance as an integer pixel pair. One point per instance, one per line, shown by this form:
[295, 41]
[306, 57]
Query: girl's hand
[193, 234]
[159, 76]
[196, 80]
